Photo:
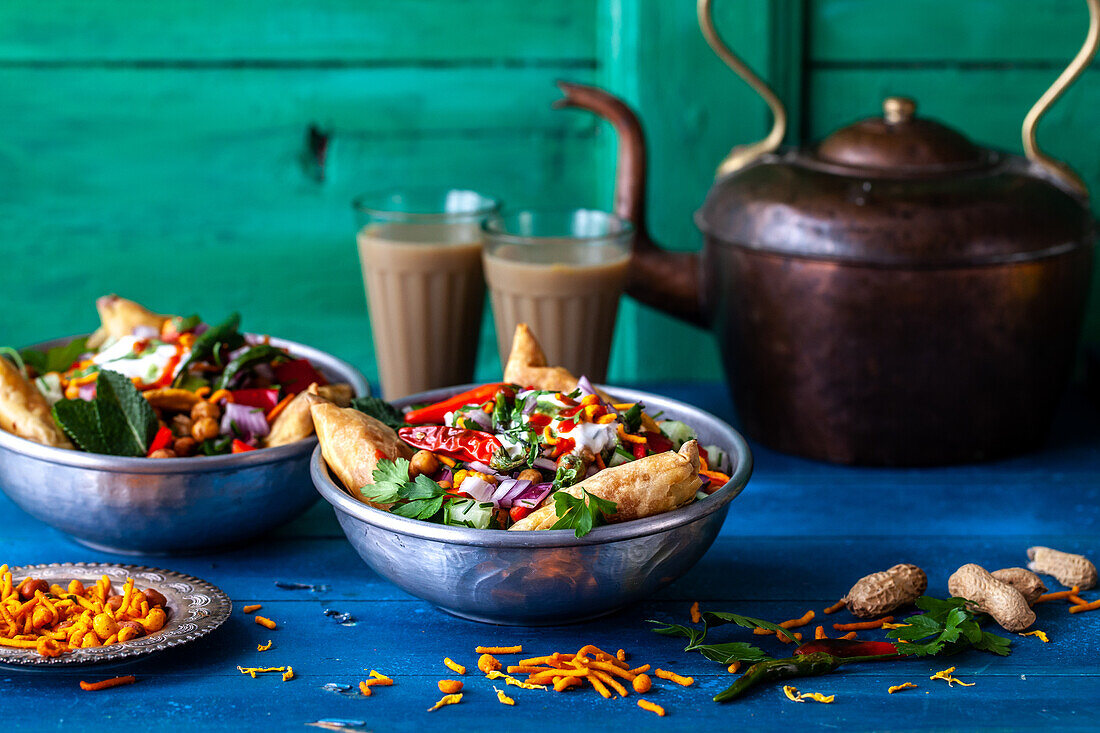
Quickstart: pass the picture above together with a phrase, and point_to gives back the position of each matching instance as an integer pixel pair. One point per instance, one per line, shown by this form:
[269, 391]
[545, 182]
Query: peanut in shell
[880, 593]
[1067, 568]
[1005, 604]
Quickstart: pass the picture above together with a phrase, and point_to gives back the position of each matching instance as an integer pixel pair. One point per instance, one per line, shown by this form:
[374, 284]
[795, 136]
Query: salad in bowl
[161, 386]
[541, 449]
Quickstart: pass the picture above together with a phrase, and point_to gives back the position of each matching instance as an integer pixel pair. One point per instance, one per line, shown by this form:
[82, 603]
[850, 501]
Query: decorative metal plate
[195, 608]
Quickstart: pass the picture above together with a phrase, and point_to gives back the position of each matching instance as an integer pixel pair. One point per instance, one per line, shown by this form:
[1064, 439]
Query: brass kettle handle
[1076, 67]
[742, 155]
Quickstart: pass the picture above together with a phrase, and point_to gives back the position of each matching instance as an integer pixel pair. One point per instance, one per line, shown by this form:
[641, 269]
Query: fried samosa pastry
[642, 488]
[24, 411]
[352, 443]
[295, 422]
[527, 367]
[119, 317]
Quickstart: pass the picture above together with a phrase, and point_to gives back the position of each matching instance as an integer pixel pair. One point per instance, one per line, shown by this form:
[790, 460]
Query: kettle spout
[667, 281]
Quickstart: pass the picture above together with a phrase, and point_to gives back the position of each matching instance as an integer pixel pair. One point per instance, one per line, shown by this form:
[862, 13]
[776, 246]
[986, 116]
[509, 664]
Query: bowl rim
[342, 502]
[188, 465]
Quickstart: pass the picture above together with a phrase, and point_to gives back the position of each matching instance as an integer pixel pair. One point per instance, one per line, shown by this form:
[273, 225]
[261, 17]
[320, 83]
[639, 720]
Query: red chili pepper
[566, 426]
[848, 648]
[296, 375]
[434, 413]
[538, 421]
[239, 446]
[569, 411]
[457, 443]
[264, 399]
[657, 442]
[162, 439]
[518, 512]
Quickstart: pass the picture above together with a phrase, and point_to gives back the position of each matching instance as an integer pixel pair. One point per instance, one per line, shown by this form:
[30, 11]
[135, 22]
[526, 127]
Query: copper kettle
[895, 295]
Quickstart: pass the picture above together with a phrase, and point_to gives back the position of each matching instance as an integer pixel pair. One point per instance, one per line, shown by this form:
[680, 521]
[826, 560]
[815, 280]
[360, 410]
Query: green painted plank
[337, 31]
[1009, 31]
[988, 105]
[694, 110]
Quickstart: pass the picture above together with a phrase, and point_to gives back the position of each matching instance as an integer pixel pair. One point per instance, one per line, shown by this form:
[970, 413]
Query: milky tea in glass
[562, 274]
[421, 259]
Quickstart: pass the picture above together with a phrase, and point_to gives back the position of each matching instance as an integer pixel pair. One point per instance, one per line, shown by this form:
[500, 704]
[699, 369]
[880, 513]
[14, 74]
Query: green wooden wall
[163, 150]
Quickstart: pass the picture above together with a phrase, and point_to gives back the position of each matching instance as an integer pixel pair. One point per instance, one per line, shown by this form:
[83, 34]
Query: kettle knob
[898, 110]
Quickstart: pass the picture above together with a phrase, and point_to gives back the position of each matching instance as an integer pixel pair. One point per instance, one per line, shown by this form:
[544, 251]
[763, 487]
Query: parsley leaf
[582, 514]
[946, 627]
[380, 410]
[421, 498]
[118, 422]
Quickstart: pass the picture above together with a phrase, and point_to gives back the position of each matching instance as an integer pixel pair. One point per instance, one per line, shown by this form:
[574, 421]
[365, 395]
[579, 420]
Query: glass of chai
[561, 273]
[421, 256]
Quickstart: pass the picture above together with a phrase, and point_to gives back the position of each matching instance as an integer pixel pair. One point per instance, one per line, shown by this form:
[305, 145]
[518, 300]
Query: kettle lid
[900, 145]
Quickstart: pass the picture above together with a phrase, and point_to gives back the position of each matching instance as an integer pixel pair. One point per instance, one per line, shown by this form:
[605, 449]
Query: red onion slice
[533, 495]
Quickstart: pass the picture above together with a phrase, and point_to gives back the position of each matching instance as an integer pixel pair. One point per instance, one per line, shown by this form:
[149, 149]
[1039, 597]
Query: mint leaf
[582, 514]
[57, 359]
[78, 419]
[119, 422]
[126, 419]
[380, 410]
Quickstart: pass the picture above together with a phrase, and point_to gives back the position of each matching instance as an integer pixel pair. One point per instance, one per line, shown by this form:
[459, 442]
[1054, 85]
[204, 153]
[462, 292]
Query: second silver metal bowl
[167, 505]
[550, 576]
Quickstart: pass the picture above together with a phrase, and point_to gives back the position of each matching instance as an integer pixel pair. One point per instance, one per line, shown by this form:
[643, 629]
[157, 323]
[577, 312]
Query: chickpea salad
[490, 457]
[167, 387]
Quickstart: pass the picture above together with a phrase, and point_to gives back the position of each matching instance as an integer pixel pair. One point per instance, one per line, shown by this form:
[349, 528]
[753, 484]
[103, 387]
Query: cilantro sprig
[946, 627]
[420, 498]
[581, 514]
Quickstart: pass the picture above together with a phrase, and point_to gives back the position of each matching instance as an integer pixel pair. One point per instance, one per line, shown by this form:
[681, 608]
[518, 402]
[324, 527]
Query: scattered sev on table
[794, 623]
[946, 676]
[794, 695]
[107, 684]
[1058, 595]
[696, 617]
[252, 609]
[651, 707]
[446, 700]
[453, 666]
[864, 625]
[1085, 607]
[836, 606]
[499, 650]
[504, 699]
[899, 688]
[266, 623]
[1040, 634]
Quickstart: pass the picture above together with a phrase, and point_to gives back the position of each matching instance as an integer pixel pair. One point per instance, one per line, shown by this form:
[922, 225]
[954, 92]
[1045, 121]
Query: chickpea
[181, 425]
[30, 585]
[104, 626]
[530, 474]
[184, 446]
[423, 462]
[154, 621]
[204, 429]
[155, 598]
[114, 603]
[205, 409]
[163, 453]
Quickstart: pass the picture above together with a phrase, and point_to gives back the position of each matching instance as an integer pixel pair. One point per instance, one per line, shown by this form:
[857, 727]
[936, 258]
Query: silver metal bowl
[167, 505]
[542, 577]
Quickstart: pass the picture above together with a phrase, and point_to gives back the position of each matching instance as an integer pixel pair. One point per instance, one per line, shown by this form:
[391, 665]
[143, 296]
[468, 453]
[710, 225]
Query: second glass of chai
[421, 256]
[561, 273]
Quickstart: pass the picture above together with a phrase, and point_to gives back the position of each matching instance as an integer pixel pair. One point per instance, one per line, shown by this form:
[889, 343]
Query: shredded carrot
[266, 622]
[1058, 595]
[499, 650]
[252, 609]
[453, 666]
[696, 617]
[673, 677]
[945, 675]
[862, 625]
[899, 688]
[279, 407]
[1040, 634]
[651, 707]
[288, 675]
[263, 647]
[734, 668]
[253, 671]
[836, 606]
[504, 699]
[107, 684]
[1085, 607]
[446, 700]
[849, 635]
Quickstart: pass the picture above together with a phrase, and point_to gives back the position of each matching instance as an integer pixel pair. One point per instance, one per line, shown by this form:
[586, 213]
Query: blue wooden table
[797, 538]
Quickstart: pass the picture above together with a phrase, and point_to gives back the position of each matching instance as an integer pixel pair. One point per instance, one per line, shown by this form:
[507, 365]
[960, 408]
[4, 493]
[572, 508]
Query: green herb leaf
[715, 618]
[726, 653]
[57, 359]
[119, 422]
[632, 418]
[205, 346]
[502, 414]
[946, 627]
[182, 324]
[421, 498]
[259, 354]
[380, 410]
[582, 514]
[389, 478]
